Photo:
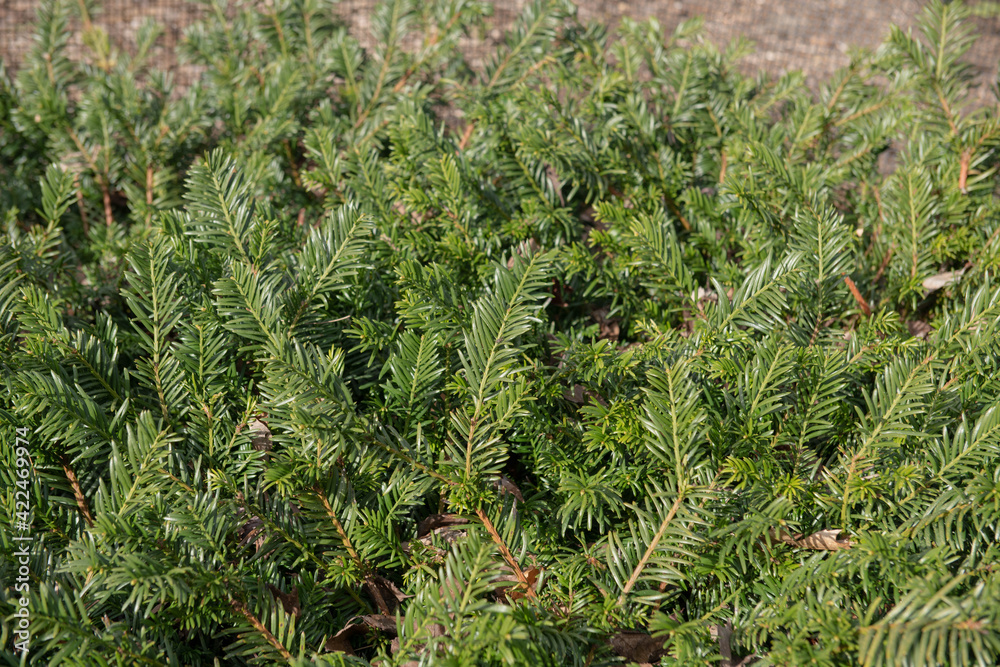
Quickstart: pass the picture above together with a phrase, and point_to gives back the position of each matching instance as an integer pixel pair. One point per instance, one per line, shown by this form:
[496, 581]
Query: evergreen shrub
[603, 352]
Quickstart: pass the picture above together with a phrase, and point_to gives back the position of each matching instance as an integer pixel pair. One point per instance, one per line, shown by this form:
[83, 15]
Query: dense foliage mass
[603, 353]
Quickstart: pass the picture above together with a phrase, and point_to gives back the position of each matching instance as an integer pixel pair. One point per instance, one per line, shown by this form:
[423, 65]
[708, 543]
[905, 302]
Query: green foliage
[604, 352]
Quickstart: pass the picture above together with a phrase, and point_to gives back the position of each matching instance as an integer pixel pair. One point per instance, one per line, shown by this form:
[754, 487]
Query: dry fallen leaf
[252, 530]
[918, 328]
[723, 635]
[380, 588]
[824, 540]
[577, 395]
[435, 521]
[260, 435]
[290, 601]
[637, 646]
[517, 591]
[507, 486]
[531, 574]
[341, 642]
[940, 280]
[381, 623]
[445, 535]
[609, 328]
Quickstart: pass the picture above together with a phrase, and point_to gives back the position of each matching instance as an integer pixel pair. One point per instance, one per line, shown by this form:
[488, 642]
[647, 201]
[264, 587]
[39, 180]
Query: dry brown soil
[812, 35]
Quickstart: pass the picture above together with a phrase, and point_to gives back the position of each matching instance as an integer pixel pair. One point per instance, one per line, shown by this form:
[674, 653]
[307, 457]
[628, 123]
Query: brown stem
[81, 500]
[101, 182]
[431, 42]
[863, 112]
[336, 524]
[85, 16]
[722, 170]
[79, 203]
[884, 264]
[676, 210]
[291, 162]
[650, 549]
[466, 135]
[865, 308]
[505, 552]
[106, 195]
[946, 108]
[259, 627]
[963, 173]
[149, 193]
[369, 579]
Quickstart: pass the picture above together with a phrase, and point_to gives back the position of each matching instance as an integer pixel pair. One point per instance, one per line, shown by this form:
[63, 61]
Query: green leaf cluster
[601, 352]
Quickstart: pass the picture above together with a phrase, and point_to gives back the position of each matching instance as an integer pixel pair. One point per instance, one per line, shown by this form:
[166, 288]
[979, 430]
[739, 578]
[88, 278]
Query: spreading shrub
[604, 351]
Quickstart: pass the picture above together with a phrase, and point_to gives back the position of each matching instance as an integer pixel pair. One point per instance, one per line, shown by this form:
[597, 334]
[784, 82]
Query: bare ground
[811, 35]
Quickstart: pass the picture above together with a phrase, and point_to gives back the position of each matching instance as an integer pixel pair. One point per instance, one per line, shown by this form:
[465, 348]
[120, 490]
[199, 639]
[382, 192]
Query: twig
[505, 552]
[963, 173]
[466, 135]
[79, 203]
[857, 296]
[259, 627]
[81, 500]
[149, 191]
[336, 524]
[106, 194]
[369, 579]
[676, 210]
[884, 264]
[650, 549]
[431, 42]
[291, 163]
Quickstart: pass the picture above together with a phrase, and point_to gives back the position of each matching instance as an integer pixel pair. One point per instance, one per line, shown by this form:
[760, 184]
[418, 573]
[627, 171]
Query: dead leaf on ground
[435, 521]
[824, 540]
[517, 590]
[943, 279]
[378, 587]
[290, 601]
[443, 535]
[576, 395]
[507, 486]
[705, 295]
[637, 646]
[252, 531]
[341, 642]
[531, 574]
[433, 630]
[723, 634]
[381, 623]
[260, 435]
[919, 329]
[609, 328]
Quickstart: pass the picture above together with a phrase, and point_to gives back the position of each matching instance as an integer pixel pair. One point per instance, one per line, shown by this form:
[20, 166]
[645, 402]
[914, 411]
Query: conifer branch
[653, 544]
[81, 500]
[259, 627]
[507, 555]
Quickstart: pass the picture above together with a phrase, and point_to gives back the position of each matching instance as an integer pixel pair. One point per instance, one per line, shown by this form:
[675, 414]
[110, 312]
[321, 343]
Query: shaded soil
[812, 35]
